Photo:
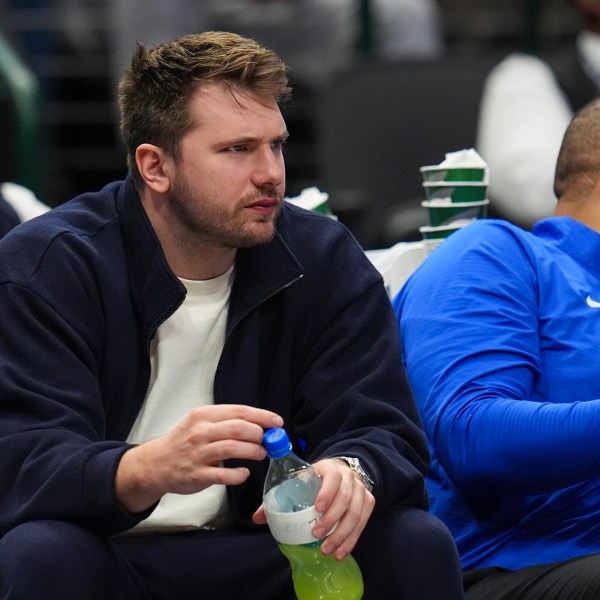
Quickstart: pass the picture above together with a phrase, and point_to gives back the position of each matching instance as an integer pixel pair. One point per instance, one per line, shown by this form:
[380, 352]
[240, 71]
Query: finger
[236, 429]
[260, 517]
[344, 501]
[227, 449]
[334, 496]
[223, 412]
[204, 477]
[227, 475]
[202, 426]
[344, 538]
[337, 510]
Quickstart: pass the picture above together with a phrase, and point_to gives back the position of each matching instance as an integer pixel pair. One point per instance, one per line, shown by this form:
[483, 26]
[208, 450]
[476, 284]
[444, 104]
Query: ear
[151, 163]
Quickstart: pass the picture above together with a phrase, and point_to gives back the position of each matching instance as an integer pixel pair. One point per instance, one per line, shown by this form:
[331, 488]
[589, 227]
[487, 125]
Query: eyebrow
[250, 139]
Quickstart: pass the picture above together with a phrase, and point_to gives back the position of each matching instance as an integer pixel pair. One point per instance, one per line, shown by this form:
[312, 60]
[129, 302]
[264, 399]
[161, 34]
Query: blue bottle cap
[277, 443]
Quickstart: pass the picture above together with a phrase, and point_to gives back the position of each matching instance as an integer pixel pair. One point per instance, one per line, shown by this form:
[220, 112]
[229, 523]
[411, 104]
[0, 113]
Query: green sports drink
[291, 487]
[320, 577]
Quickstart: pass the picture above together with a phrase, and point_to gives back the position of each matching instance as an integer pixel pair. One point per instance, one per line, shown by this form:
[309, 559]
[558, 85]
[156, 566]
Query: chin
[256, 241]
[259, 236]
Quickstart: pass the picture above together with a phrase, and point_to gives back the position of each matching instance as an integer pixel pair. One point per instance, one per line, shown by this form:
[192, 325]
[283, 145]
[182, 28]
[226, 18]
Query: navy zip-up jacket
[311, 335]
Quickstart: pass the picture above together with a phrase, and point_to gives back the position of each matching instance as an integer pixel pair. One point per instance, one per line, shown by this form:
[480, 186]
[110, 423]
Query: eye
[278, 145]
[237, 148]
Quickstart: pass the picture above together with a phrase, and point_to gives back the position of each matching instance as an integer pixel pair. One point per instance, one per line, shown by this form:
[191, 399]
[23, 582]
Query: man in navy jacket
[154, 329]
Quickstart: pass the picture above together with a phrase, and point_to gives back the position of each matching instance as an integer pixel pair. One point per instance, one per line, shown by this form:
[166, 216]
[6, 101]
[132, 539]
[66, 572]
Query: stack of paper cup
[313, 199]
[456, 194]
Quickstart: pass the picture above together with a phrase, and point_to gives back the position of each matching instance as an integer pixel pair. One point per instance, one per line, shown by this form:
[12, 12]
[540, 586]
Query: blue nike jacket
[501, 330]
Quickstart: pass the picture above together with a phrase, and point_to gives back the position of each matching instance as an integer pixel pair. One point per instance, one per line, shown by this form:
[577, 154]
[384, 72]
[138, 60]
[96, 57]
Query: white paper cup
[436, 173]
[457, 191]
[443, 211]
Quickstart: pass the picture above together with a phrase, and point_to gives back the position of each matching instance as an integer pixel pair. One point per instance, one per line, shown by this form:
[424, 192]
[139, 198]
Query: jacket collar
[574, 239]
[261, 271]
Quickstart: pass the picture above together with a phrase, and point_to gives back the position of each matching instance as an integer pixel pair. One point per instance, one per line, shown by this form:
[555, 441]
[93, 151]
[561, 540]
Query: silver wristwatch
[355, 465]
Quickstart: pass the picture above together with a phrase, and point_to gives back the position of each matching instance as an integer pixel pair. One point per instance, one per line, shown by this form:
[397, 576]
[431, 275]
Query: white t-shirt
[184, 355]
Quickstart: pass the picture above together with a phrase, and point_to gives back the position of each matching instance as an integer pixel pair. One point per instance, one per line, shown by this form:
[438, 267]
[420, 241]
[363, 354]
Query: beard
[207, 220]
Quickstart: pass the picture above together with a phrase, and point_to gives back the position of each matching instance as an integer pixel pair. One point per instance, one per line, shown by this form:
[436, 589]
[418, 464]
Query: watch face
[355, 465]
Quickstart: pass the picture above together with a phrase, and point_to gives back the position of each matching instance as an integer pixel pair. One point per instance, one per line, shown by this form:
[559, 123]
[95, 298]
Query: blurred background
[60, 60]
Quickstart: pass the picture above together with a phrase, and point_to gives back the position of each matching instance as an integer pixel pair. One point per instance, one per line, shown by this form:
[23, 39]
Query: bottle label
[293, 527]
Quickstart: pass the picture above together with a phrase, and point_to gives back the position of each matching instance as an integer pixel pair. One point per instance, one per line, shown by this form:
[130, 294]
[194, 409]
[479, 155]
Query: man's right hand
[189, 458]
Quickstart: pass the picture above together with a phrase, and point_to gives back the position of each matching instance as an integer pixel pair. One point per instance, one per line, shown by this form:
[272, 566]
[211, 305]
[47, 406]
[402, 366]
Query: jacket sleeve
[469, 321]
[352, 396]
[54, 460]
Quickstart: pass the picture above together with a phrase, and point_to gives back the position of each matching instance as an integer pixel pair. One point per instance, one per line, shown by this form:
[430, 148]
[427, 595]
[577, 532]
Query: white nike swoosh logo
[592, 303]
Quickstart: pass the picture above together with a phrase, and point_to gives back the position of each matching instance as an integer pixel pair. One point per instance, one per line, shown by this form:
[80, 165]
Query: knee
[412, 532]
[40, 540]
[413, 551]
[424, 535]
[39, 550]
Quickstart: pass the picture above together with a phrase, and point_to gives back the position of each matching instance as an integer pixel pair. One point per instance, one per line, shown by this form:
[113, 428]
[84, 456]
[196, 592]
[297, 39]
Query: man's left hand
[343, 501]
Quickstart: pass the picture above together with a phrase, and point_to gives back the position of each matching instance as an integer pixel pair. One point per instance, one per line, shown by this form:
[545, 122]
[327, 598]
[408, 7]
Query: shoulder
[325, 249]
[518, 72]
[314, 236]
[77, 224]
[485, 239]
[521, 65]
[482, 255]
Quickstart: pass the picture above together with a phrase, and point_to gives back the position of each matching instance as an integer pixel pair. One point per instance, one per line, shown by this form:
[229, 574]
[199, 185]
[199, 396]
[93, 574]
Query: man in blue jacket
[500, 330]
[153, 330]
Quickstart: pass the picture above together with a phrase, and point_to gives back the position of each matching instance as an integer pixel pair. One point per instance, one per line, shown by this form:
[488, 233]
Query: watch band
[356, 466]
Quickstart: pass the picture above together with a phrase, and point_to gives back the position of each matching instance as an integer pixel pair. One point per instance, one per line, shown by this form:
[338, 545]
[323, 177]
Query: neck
[199, 265]
[188, 256]
[585, 211]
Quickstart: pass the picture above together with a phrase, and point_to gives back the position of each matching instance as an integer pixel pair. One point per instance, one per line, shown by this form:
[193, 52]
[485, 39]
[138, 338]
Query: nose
[269, 168]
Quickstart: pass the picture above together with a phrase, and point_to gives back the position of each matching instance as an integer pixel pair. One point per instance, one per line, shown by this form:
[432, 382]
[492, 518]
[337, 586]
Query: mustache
[259, 195]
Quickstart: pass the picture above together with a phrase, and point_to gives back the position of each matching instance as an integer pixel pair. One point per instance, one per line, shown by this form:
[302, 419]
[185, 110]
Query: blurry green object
[22, 89]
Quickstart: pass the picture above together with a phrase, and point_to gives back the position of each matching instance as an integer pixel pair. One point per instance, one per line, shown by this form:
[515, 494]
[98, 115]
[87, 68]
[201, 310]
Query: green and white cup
[313, 199]
[443, 211]
[323, 208]
[458, 191]
[437, 173]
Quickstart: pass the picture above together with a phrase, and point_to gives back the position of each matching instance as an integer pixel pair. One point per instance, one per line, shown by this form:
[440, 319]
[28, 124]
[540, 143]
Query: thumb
[259, 517]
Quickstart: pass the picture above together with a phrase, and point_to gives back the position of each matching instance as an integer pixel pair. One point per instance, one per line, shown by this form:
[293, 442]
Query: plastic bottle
[291, 487]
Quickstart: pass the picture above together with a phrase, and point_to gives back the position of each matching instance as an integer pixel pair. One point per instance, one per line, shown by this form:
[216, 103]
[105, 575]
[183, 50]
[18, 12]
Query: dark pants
[405, 555]
[575, 579]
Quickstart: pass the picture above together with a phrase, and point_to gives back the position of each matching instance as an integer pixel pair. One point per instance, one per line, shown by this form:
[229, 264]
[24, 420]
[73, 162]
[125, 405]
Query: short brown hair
[155, 91]
[578, 164]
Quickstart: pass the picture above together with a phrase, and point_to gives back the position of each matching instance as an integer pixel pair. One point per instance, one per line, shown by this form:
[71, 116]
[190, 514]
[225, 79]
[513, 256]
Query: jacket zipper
[242, 317]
